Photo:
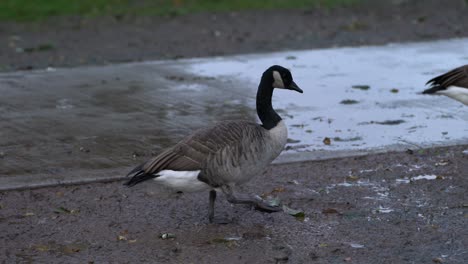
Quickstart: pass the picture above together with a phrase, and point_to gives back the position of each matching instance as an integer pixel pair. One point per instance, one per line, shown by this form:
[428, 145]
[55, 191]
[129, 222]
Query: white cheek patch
[278, 81]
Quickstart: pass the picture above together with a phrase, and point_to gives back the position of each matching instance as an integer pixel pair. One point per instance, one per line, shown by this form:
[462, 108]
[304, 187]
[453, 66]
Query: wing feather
[223, 141]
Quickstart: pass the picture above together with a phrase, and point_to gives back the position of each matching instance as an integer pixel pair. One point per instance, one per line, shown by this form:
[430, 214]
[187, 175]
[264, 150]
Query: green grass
[34, 10]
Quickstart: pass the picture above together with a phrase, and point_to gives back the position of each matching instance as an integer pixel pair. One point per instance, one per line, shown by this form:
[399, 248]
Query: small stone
[82, 149]
[167, 236]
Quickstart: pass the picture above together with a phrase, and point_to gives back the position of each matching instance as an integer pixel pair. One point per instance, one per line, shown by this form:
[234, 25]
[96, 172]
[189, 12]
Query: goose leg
[211, 206]
[211, 218]
[258, 203]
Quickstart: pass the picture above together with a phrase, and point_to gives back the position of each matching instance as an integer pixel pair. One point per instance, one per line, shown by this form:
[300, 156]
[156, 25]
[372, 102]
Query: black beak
[293, 86]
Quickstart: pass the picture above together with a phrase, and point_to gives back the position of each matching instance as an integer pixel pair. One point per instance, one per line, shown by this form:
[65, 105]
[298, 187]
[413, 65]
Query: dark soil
[80, 41]
[372, 209]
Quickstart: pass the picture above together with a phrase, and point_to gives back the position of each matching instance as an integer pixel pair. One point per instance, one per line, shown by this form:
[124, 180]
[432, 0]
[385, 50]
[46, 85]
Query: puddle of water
[373, 93]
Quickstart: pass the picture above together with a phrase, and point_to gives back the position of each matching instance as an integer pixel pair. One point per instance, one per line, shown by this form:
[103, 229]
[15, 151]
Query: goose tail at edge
[138, 175]
[433, 89]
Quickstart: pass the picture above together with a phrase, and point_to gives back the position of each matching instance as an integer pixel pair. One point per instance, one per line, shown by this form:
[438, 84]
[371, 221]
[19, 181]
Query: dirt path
[389, 208]
[78, 41]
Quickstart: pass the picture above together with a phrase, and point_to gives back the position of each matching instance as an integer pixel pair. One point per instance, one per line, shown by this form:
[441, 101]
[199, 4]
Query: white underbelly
[185, 181]
[458, 93]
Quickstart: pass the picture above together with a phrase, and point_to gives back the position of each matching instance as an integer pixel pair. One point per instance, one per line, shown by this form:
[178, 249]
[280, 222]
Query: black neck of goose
[265, 110]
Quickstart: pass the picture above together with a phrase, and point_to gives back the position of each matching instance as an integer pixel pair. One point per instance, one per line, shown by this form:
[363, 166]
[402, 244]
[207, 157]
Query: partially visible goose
[453, 84]
[230, 153]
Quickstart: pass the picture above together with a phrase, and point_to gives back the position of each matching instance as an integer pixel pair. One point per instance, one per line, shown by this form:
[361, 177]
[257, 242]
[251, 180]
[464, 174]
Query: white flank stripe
[185, 181]
[458, 93]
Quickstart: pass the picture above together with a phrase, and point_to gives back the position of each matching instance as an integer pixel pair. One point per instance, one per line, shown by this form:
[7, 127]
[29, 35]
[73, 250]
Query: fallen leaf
[355, 245]
[421, 19]
[70, 249]
[278, 190]
[339, 139]
[62, 210]
[121, 238]
[132, 241]
[294, 212]
[355, 26]
[389, 122]
[273, 201]
[394, 90]
[361, 87]
[290, 140]
[327, 141]
[82, 149]
[42, 248]
[352, 178]
[349, 102]
[330, 211]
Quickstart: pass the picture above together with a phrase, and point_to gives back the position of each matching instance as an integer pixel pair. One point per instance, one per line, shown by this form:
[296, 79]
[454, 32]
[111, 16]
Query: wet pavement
[74, 125]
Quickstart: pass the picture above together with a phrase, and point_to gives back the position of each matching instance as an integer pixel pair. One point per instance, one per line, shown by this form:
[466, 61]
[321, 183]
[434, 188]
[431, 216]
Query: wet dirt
[406, 207]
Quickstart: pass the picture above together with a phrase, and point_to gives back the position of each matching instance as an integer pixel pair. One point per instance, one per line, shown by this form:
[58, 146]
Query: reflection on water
[367, 93]
[110, 117]
[115, 116]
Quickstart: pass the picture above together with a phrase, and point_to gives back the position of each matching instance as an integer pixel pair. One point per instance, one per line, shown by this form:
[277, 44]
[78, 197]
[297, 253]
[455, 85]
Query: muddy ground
[83, 41]
[389, 208]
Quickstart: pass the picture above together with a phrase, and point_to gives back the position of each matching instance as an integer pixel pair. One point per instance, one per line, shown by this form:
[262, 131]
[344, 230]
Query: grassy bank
[34, 10]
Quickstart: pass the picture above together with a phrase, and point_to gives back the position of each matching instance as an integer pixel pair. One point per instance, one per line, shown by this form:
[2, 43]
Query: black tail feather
[433, 89]
[137, 169]
[139, 175]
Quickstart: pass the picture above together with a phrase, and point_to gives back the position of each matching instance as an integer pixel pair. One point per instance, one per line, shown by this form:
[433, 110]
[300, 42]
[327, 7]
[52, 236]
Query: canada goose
[453, 84]
[227, 154]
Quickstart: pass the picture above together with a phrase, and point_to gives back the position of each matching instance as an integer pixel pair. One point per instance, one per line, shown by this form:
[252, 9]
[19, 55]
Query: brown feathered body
[229, 153]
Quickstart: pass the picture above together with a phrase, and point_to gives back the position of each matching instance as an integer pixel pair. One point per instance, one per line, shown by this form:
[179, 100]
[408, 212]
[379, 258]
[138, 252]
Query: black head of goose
[453, 84]
[227, 154]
